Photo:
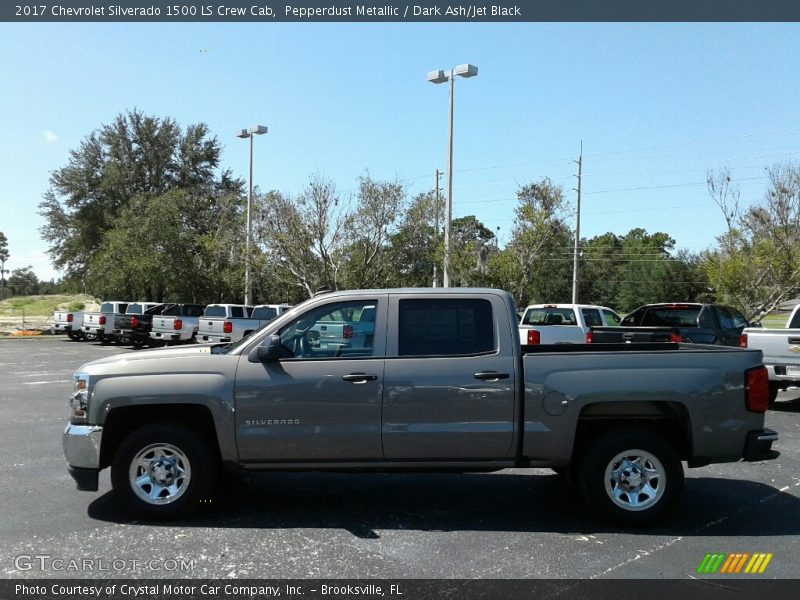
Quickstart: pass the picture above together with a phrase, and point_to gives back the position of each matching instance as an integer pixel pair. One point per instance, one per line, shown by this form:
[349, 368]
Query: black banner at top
[437, 11]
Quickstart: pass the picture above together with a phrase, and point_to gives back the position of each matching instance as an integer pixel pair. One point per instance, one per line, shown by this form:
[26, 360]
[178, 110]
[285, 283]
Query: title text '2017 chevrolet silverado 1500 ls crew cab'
[781, 350]
[443, 383]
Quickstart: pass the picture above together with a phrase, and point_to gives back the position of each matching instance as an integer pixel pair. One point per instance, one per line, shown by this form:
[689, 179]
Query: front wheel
[163, 471]
[630, 477]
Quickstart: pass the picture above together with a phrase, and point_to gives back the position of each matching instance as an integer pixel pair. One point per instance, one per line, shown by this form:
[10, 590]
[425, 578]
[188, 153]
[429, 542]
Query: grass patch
[41, 305]
[775, 320]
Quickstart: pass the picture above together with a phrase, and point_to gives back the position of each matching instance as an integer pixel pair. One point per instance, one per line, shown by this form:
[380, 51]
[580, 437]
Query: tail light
[177, 324]
[534, 337]
[69, 318]
[102, 319]
[588, 337]
[675, 338]
[756, 389]
[227, 327]
[134, 322]
[347, 332]
[743, 341]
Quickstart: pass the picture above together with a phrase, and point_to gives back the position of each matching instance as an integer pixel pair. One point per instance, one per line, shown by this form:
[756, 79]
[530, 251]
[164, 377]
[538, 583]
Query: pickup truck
[563, 323]
[781, 350]
[69, 323]
[134, 326]
[101, 324]
[444, 384]
[676, 322]
[232, 322]
[177, 323]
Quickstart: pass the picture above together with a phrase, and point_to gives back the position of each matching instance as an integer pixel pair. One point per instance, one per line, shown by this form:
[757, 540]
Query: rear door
[449, 379]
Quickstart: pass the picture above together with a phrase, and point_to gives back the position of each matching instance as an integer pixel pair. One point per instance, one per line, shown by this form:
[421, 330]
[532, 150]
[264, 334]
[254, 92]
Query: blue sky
[656, 105]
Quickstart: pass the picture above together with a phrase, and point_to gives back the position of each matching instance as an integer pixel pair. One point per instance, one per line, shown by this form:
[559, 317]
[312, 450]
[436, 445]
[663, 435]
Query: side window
[634, 318]
[331, 331]
[591, 317]
[449, 327]
[724, 316]
[739, 322]
[612, 319]
[237, 312]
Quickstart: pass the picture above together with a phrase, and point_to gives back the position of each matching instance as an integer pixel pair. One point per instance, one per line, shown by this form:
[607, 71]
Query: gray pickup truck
[781, 350]
[443, 384]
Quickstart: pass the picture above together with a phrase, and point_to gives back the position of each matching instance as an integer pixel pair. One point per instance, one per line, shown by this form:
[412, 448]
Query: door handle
[491, 375]
[359, 377]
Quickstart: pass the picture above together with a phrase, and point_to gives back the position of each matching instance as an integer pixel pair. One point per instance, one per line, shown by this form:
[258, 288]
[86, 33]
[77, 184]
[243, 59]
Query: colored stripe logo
[735, 562]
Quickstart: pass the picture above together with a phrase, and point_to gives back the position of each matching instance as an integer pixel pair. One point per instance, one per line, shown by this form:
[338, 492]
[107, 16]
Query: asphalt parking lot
[511, 524]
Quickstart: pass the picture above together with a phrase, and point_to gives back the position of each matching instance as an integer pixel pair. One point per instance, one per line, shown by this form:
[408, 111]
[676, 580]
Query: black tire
[138, 342]
[774, 388]
[75, 336]
[172, 450]
[105, 339]
[614, 484]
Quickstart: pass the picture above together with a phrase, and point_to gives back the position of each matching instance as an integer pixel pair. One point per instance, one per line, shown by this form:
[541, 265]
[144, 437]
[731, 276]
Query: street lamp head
[437, 76]
[258, 129]
[242, 133]
[466, 70]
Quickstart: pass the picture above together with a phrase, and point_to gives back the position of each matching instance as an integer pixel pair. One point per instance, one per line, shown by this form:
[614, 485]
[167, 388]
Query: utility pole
[577, 230]
[436, 226]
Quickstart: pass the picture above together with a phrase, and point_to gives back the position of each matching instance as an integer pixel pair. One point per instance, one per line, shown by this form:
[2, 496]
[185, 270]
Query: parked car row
[688, 322]
[155, 324]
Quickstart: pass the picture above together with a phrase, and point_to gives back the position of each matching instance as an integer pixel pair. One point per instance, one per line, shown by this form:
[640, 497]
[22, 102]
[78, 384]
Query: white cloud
[49, 136]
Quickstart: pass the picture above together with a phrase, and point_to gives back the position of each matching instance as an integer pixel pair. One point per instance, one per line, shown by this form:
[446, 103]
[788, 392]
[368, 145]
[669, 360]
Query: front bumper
[758, 445]
[82, 451]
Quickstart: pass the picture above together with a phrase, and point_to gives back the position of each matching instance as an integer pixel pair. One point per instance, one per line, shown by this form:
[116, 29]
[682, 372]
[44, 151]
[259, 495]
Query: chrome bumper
[82, 445]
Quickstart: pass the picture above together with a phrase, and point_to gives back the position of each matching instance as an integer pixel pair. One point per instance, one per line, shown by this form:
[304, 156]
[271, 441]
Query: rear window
[672, 316]
[134, 309]
[193, 310]
[214, 311]
[107, 307]
[264, 312]
[445, 327]
[549, 316]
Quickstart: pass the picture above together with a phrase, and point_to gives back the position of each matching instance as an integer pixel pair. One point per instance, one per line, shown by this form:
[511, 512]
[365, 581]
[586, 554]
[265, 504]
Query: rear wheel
[75, 336]
[163, 471]
[138, 342]
[630, 477]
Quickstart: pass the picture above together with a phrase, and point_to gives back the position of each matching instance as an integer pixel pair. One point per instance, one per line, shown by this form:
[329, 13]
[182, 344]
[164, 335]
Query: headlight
[79, 403]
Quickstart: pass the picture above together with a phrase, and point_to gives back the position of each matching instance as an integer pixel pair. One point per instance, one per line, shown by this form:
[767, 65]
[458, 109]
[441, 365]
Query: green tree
[540, 243]
[135, 157]
[416, 246]
[23, 282]
[4, 256]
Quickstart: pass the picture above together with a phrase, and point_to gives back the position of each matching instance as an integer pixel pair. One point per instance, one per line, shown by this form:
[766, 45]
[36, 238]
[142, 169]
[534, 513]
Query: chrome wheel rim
[635, 480]
[159, 474]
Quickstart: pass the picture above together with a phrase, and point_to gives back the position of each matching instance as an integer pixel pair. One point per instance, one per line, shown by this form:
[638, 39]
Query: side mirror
[268, 351]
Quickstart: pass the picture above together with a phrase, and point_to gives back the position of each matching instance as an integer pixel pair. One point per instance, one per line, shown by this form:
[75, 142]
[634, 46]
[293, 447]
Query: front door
[319, 402]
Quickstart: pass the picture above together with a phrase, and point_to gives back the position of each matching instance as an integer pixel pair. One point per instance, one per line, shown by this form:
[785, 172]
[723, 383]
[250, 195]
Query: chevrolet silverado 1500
[443, 383]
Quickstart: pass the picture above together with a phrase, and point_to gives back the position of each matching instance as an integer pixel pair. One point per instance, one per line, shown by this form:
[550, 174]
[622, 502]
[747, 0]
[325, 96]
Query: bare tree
[757, 264]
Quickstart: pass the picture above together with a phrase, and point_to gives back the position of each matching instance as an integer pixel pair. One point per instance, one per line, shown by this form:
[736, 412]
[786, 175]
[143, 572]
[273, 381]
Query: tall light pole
[249, 133]
[441, 76]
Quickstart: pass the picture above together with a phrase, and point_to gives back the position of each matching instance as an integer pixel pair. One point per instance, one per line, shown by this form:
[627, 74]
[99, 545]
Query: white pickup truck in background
[101, 324]
[178, 323]
[563, 323]
[232, 322]
[69, 322]
[781, 350]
